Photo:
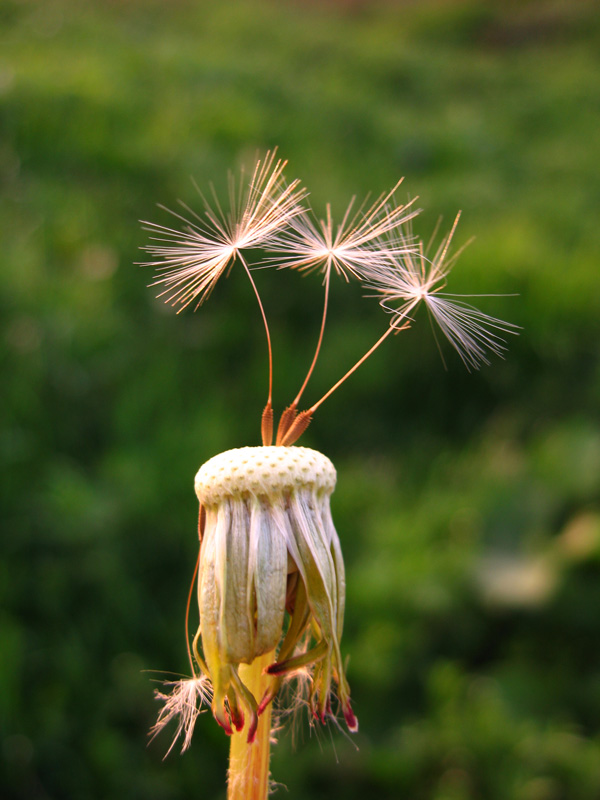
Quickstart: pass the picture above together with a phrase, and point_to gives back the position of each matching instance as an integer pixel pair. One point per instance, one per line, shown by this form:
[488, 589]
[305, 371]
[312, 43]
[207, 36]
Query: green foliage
[468, 505]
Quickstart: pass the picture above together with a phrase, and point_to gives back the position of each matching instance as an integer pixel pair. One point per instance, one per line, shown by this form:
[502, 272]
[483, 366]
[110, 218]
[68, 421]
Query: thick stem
[249, 763]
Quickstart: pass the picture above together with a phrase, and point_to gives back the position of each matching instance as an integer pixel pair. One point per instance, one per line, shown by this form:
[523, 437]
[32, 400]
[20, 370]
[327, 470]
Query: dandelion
[270, 572]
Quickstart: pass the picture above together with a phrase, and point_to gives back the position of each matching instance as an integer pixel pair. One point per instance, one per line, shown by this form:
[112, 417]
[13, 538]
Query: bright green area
[468, 505]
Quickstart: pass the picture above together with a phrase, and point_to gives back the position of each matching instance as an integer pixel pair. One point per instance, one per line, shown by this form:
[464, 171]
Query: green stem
[249, 763]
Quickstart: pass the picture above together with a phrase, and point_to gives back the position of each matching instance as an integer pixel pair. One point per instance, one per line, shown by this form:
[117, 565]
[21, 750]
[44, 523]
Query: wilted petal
[267, 577]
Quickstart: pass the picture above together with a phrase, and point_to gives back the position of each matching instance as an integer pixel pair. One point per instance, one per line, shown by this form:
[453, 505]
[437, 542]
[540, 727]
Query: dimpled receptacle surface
[263, 471]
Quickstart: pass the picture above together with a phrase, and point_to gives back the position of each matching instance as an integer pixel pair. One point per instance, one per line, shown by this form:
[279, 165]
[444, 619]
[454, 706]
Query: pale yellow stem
[249, 763]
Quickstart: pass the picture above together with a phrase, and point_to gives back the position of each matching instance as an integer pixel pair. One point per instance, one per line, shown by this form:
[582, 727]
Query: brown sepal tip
[297, 428]
[287, 419]
[266, 425]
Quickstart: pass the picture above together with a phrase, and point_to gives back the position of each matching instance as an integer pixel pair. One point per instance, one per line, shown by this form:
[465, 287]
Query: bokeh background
[468, 505]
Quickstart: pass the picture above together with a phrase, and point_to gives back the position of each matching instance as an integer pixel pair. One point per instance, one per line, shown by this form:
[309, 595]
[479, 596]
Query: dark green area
[468, 505]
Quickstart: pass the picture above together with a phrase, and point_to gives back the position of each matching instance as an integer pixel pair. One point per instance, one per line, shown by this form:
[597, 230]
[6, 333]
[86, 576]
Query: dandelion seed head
[269, 547]
[268, 471]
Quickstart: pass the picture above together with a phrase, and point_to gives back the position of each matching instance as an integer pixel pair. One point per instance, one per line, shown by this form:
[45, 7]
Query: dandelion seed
[403, 283]
[351, 250]
[190, 262]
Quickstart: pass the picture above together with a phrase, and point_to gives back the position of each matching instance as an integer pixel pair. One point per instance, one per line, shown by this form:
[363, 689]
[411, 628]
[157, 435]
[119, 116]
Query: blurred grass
[468, 505]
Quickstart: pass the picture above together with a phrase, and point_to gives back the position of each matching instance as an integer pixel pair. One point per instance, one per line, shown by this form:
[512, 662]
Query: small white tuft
[183, 703]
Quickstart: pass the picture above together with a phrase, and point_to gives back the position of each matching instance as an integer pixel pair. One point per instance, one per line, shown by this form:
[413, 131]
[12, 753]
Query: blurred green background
[468, 505]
